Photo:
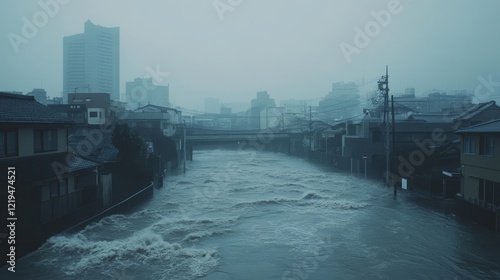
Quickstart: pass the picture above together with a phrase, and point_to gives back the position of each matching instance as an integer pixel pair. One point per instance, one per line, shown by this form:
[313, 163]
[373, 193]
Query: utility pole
[393, 137]
[184, 147]
[383, 87]
[310, 128]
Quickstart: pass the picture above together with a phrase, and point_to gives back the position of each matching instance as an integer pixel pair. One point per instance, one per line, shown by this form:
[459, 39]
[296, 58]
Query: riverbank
[74, 222]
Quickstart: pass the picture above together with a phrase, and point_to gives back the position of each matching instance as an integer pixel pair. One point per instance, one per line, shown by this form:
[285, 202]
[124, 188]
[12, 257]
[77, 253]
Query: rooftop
[475, 110]
[487, 127]
[15, 108]
[155, 108]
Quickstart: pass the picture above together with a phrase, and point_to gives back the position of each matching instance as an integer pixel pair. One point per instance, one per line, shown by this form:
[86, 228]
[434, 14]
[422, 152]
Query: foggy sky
[291, 48]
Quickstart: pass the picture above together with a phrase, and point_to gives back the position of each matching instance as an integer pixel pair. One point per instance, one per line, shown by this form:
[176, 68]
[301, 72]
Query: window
[469, 145]
[487, 191]
[45, 192]
[486, 146]
[63, 186]
[93, 114]
[54, 188]
[45, 140]
[8, 143]
[496, 193]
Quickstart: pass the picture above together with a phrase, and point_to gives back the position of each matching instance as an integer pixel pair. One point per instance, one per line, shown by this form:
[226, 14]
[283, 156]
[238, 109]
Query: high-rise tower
[91, 61]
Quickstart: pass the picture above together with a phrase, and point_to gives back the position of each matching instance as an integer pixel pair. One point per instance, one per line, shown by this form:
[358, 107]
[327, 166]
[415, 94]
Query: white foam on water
[120, 222]
[143, 248]
[262, 202]
[196, 236]
[312, 195]
[336, 204]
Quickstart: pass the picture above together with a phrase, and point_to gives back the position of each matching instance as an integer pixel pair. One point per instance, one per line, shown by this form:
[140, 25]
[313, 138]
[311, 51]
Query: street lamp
[365, 157]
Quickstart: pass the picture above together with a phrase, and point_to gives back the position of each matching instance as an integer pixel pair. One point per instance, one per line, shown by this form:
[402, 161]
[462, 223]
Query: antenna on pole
[383, 87]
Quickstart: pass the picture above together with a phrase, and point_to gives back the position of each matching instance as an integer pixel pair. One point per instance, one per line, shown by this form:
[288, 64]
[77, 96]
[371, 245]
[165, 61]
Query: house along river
[245, 215]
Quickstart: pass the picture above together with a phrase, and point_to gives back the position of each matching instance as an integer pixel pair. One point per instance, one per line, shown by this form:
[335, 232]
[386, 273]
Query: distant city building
[225, 110]
[341, 103]
[296, 107]
[258, 104]
[237, 107]
[40, 95]
[54, 100]
[150, 119]
[410, 91]
[212, 105]
[272, 118]
[142, 92]
[97, 105]
[91, 61]
[435, 102]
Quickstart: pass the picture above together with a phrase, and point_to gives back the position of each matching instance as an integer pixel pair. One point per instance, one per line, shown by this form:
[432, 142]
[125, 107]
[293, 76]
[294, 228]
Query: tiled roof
[102, 149]
[431, 117]
[16, 108]
[474, 110]
[159, 108]
[487, 127]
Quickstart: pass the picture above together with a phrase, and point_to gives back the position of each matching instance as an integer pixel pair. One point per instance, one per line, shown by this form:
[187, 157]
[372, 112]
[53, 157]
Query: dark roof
[487, 127]
[102, 148]
[475, 110]
[431, 117]
[160, 108]
[41, 167]
[16, 108]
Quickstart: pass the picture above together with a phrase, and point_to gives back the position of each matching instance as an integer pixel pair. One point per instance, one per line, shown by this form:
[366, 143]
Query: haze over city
[249, 139]
[291, 49]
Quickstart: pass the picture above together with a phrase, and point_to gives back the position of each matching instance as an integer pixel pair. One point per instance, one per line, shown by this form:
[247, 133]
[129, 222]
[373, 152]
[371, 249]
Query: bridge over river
[278, 141]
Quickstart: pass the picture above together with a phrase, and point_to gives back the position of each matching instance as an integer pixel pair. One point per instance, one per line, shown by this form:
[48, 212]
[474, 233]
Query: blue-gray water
[242, 215]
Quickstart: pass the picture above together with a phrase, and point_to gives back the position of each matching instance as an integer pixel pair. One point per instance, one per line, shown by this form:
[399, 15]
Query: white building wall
[96, 116]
